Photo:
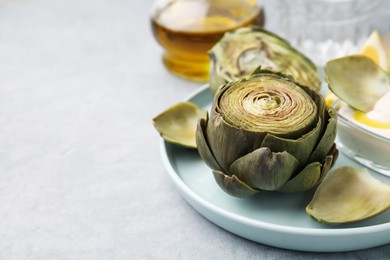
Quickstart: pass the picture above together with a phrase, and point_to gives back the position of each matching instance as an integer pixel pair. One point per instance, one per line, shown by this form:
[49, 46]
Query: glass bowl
[362, 144]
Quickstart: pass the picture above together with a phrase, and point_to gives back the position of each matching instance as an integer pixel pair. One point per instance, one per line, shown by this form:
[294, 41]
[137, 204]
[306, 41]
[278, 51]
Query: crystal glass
[326, 29]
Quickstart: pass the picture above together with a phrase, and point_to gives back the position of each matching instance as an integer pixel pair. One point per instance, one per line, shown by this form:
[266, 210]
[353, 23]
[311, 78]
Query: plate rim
[270, 226]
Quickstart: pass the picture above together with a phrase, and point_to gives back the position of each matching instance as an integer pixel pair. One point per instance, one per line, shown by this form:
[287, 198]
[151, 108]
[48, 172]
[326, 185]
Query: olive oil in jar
[188, 29]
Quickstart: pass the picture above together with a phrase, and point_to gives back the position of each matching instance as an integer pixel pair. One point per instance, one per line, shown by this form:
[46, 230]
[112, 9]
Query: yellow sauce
[364, 119]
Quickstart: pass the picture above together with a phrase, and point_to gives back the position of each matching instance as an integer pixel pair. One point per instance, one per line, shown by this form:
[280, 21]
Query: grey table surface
[80, 170]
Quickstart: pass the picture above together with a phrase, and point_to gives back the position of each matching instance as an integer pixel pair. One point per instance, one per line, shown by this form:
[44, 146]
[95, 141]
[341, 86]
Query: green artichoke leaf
[347, 195]
[178, 123]
[203, 146]
[335, 153]
[233, 185]
[242, 50]
[305, 180]
[327, 140]
[357, 80]
[312, 174]
[226, 142]
[328, 163]
[264, 170]
[300, 148]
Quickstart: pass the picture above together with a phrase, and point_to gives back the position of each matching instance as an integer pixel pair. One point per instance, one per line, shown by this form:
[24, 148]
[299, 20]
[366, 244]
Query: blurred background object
[326, 29]
[187, 29]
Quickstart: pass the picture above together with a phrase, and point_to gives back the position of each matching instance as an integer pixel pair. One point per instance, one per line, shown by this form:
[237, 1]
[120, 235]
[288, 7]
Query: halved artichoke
[242, 50]
[357, 80]
[348, 195]
[267, 132]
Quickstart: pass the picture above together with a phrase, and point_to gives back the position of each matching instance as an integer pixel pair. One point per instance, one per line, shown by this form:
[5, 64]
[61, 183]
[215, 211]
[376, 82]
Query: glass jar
[188, 29]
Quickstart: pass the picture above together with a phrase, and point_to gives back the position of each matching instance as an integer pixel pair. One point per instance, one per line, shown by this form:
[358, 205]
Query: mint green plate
[275, 219]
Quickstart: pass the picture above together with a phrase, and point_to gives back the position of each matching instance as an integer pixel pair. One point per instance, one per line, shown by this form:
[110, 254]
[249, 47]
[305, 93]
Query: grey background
[80, 169]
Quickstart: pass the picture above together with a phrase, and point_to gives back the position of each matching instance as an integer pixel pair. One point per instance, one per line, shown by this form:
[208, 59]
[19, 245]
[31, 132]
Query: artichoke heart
[241, 51]
[267, 132]
[348, 195]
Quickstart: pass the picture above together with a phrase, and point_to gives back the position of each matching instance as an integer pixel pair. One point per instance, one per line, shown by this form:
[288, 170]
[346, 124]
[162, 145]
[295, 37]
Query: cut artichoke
[178, 123]
[241, 51]
[266, 132]
[349, 195]
[357, 80]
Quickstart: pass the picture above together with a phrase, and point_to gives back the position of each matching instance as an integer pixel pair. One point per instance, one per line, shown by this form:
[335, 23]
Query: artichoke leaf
[327, 139]
[300, 148]
[305, 180]
[226, 142]
[326, 166]
[357, 80]
[335, 153]
[178, 123]
[329, 161]
[203, 146]
[262, 169]
[349, 194]
[233, 185]
[311, 175]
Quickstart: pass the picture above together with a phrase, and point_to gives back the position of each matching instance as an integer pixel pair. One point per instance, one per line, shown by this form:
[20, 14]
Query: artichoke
[267, 132]
[242, 50]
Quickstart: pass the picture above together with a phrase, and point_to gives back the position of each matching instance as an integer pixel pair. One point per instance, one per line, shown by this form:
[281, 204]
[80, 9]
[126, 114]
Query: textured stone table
[80, 170]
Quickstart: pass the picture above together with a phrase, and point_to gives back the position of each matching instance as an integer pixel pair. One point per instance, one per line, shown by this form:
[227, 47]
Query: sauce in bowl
[366, 136]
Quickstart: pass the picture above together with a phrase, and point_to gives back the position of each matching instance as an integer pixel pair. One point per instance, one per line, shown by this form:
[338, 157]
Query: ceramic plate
[275, 219]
